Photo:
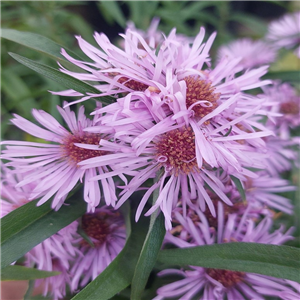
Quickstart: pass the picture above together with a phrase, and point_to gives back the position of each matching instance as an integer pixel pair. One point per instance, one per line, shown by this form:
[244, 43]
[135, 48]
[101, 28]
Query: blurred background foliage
[22, 89]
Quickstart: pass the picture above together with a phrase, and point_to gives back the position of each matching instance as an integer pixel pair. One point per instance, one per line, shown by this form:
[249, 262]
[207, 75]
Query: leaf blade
[148, 256]
[270, 260]
[21, 228]
[66, 80]
[22, 273]
[37, 42]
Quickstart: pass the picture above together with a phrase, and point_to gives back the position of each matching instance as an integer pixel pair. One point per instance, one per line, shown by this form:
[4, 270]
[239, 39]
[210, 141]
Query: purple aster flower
[55, 165]
[171, 152]
[286, 103]
[252, 53]
[210, 101]
[12, 196]
[138, 67]
[106, 230]
[285, 32]
[171, 95]
[283, 155]
[55, 254]
[206, 283]
[262, 191]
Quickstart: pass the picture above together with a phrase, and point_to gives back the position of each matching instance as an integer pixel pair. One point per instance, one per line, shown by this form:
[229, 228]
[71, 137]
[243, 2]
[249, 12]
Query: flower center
[198, 89]
[176, 151]
[226, 277]
[291, 107]
[234, 209]
[78, 154]
[96, 226]
[133, 84]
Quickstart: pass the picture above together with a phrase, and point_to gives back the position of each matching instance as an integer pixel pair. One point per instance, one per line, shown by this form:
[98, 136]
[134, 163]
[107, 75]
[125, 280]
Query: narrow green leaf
[36, 42]
[60, 77]
[148, 256]
[118, 275]
[239, 186]
[23, 273]
[271, 260]
[29, 225]
[291, 76]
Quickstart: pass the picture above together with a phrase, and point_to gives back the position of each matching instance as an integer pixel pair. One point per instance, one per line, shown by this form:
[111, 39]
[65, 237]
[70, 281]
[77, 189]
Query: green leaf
[239, 186]
[29, 225]
[23, 273]
[60, 77]
[39, 43]
[118, 275]
[271, 260]
[291, 76]
[148, 255]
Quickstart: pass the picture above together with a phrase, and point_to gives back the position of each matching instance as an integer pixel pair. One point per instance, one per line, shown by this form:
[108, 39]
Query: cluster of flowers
[191, 129]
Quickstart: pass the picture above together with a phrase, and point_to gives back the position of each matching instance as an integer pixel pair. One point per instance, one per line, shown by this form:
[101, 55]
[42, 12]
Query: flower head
[53, 164]
[252, 53]
[55, 254]
[285, 32]
[207, 283]
[106, 230]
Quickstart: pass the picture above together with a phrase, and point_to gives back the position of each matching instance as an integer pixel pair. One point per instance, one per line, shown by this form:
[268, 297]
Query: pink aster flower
[12, 196]
[263, 191]
[175, 77]
[138, 67]
[171, 152]
[171, 95]
[286, 103]
[55, 254]
[207, 283]
[252, 53]
[106, 230]
[282, 155]
[55, 165]
[285, 32]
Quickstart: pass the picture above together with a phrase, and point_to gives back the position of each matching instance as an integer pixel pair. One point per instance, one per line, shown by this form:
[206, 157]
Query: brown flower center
[176, 150]
[133, 84]
[96, 226]
[198, 89]
[77, 154]
[291, 108]
[226, 277]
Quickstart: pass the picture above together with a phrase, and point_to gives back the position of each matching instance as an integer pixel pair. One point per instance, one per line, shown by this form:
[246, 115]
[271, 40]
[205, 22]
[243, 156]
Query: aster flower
[55, 254]
[206, 283]
[252, 53]
[176, 78]
[263, 191]
[283, 155]
[137, 67]
[55, 165]
[180, 175]
[12, 196]
[204, 112]
[286, 102]
[285, 32]
[106, 230]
